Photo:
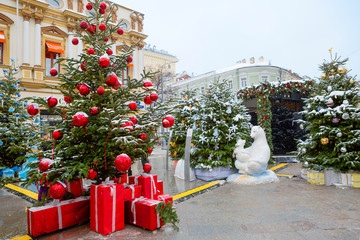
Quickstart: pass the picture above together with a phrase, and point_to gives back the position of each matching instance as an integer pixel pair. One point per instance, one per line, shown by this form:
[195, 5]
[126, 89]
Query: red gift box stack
[75, 187]
[53, 217]
[109, 206]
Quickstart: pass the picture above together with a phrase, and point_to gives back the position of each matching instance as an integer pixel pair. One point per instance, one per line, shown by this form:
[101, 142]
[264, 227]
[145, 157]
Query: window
[230, 84]
[124, 25]
[55, 3]
[210, 86]
[264, 78]
[2, 41]
[52, 52]
[195, 91]
[202, 90]
[243, 82]
[1, 53]
[124, 75]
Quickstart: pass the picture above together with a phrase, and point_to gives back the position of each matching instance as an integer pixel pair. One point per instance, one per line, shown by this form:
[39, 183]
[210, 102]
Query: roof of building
[183, 77]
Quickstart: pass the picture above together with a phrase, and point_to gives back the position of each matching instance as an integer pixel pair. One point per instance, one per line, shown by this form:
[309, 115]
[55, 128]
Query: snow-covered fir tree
[333, 121]
[101, 119]
[187, 109]
[220, 121]
[16, 132]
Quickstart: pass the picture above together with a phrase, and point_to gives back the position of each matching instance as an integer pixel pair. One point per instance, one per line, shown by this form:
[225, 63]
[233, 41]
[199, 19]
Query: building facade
[159, 60]
[37, 32]
[239, 76]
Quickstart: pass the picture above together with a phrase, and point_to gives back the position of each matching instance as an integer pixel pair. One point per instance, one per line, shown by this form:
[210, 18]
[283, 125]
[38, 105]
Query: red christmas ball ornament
[53, 72]
[112, 80]
[128, 126]
[103, 5]
[91, 29]
[45, 164]
[170, 119]
[57, 191]
[100, 90]
[33, 109]
[147, 167]
[109, 52]
[80, 119]
[120, 31]
[57, 135]
[150, 150]
[75, 41]
[92, 174]
[117, 85]
[101, 11]
[154, 97]
[123, 162]
[147, 100]
[106, 39]
[90, 51]
[52, 102]
[142, 136]
[94, 111]
[84, 89]
[67, 99]
[104, 61]
[165, 123]
[82, 66]
[147, 84]
[133, 106]
[129, 59]
[89, 6]
[133, 119]
[83, 25]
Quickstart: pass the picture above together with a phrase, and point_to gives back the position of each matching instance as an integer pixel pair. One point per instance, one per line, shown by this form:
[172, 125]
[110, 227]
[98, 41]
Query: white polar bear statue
[252, 160]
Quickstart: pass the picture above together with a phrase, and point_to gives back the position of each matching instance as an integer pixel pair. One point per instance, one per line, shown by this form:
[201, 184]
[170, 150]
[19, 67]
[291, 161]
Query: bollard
[187, 154]
[167, 151]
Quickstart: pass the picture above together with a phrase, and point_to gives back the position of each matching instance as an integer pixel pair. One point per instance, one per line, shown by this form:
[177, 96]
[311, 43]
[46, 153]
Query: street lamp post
[162, 92]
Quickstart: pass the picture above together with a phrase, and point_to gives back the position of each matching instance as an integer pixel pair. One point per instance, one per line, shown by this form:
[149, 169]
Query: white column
[141, 61]
[113, 48]
[38, 44]
[26, 43]
[135, 64]
[79, 49]
[70, 45]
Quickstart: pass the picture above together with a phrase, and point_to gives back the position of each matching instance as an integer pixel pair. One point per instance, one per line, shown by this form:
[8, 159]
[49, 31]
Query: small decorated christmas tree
[103, 129]
[221, 121]
[333, 121]
[187, 110]
[16, 133]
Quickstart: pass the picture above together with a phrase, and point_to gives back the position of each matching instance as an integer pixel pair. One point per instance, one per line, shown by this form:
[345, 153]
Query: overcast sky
[293, 34]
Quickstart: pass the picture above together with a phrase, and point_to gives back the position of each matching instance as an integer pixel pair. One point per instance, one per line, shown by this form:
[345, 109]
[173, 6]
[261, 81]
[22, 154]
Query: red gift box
[141, 212]
[148, 184]
[160, 187]
[50, 218]
[75, 187]
[165, 197]
[107, 208]
[131, 192]
[123, 179]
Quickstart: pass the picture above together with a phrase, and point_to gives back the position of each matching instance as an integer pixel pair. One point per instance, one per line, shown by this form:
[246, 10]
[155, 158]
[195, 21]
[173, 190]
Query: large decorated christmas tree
[186, 111]
[102, 130]
[220, 121]
[16, 133]
[333, 121]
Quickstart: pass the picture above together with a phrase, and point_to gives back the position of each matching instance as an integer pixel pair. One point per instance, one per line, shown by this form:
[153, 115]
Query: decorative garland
[270, 89]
